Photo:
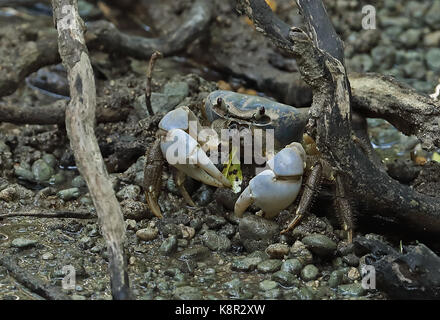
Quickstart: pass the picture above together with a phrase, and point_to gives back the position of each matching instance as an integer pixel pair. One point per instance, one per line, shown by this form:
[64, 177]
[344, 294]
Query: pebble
[187, 232]
[245, 264]
[309, 272]
[57, 178]
[351, 260]
[274, 294]
[168, 246]
[78, 182]
[24, 174]
[50, 160]
[256, 233]
[47, 256]
[292, 266]
[196, 253]
[320, 244]
[187, 293]
[216, 242]
[335, 278]
[147, 234]
[433, 59]
[68, 194]
[269, 266]
[130, 192]
[215, 222]
[277, 250]
[284, 278]
[8, 194]
[300, 252]
[23, 243]
[353, 274]
[354, 289]
[41, 171]
[266, 285]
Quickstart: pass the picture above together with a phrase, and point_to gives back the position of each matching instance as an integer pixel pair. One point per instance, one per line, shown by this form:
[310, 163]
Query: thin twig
[80, 121]
[154, 57]
[51, 214]
[33, 283]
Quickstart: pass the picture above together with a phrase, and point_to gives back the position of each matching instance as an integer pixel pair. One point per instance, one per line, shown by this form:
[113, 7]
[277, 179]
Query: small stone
[187, 232]
[274, 294]
[24, 174]
[8, 194]
[335, 278]
[78, 182]
[246, 264]
[309, 272]
[168, 246]
[130, 192]
[268, 285]
[411, 38]
[284, 278]
[130, 224]
[196, 253]
[292, 266]
[187, 293]
[78, 297]
[68, 194]
[147, 234]
[433, 59]
[47, 256]
[215, 222]
[354, 289]
[50, 160]
[216, 242]
[23, 243]
[353, 274]
[269, 266]
[57, 178]
[299, 251]
[277, 250]
[256, 233]
[351, 259]
[432, 39]
[320, 244]
[41, 171]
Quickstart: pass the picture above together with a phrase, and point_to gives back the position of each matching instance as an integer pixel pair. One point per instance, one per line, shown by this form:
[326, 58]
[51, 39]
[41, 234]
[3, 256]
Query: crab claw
[183, 152]
[276, 188]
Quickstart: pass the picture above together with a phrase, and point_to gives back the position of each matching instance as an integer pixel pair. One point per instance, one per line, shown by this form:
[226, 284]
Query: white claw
[268, 193]
[183, 152]
[276, 188]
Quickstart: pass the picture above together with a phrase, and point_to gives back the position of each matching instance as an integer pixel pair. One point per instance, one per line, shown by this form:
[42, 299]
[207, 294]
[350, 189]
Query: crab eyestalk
[274, 189]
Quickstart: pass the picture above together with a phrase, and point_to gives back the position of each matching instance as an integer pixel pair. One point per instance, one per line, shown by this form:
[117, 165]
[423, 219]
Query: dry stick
[80, 121]
[31, 282]
[50, 214]
[331, 116]
[153, 59]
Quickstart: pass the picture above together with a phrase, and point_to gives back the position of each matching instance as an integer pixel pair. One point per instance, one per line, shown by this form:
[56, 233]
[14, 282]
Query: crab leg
[311, 189]
[243, 202]
[152, 177]
[179, 177]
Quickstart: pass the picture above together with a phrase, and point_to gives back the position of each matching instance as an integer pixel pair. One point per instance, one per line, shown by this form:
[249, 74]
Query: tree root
[322, 68]
[103, 35]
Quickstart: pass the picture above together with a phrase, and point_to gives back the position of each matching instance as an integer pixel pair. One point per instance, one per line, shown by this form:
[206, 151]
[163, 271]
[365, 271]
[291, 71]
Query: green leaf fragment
[232, 172]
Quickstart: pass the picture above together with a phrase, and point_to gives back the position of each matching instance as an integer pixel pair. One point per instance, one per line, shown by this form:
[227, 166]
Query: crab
[180, 142]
